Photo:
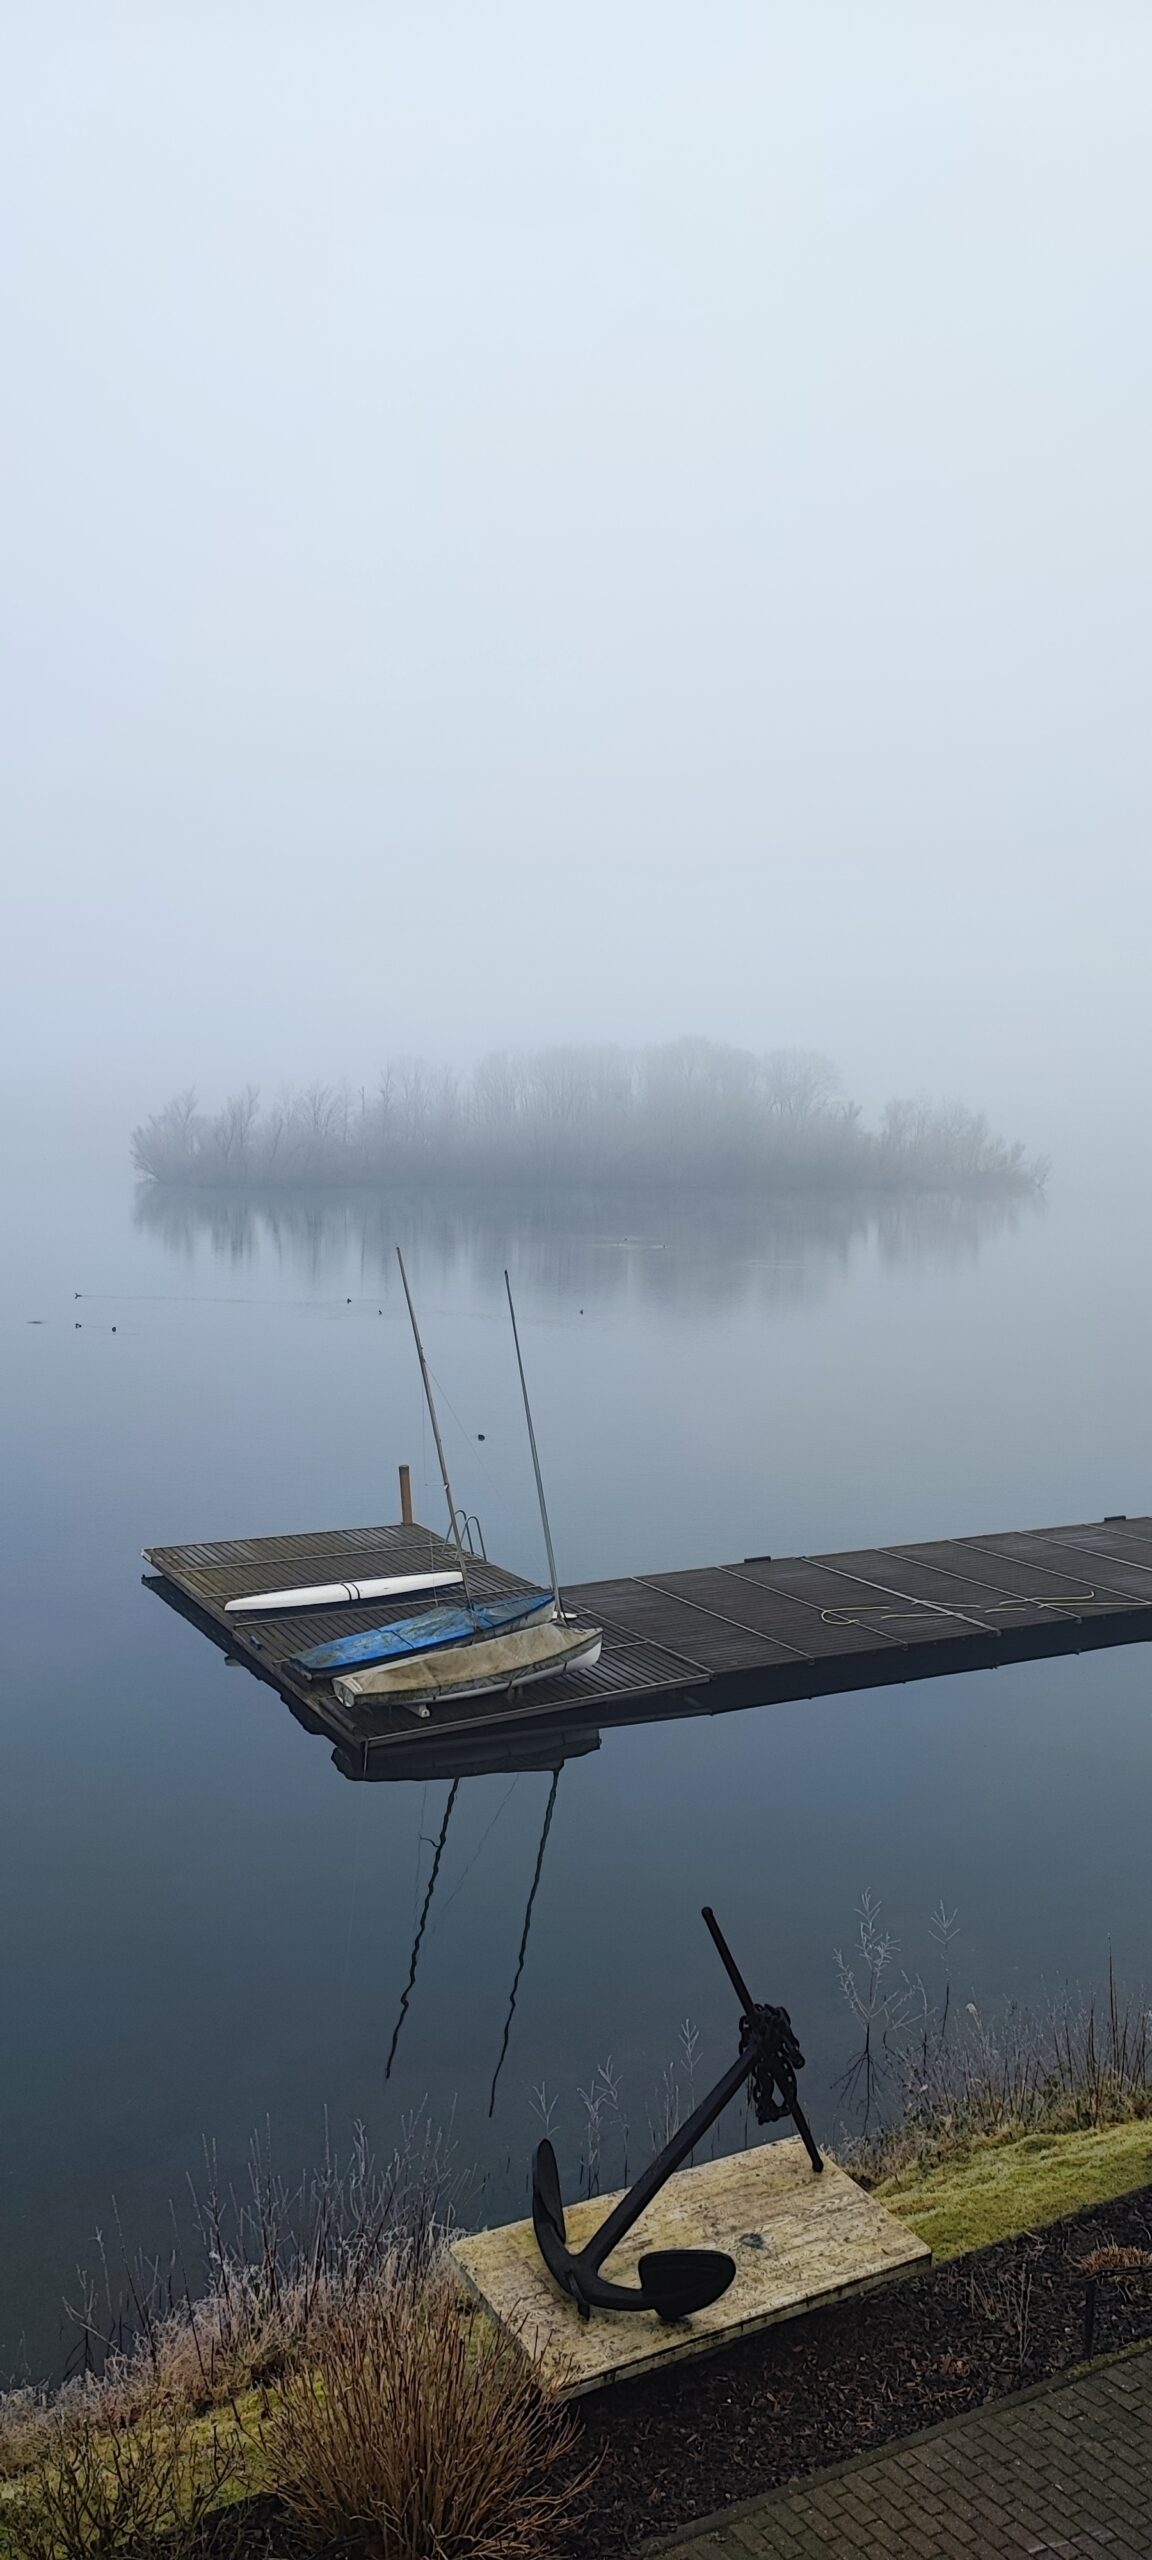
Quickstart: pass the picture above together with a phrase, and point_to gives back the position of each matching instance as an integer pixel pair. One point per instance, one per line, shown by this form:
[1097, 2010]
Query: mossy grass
[995, 2188]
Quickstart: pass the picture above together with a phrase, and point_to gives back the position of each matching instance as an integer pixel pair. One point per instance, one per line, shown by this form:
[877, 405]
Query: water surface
[207, 1929]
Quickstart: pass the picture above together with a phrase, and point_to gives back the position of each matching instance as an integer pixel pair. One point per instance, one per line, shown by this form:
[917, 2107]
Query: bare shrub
[1003, 2295]
[422, 2431]
[25, 2429]
[100, 2493]
[1116, 2259]
[941, 2079]
[873, 2003]
[272, 2265]
[384, 2409]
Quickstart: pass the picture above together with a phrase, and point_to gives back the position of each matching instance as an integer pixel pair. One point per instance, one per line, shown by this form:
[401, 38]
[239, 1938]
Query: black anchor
[675, 2282]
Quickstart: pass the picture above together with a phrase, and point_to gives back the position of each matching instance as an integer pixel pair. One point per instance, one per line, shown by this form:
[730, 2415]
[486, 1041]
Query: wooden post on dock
[406, 1496]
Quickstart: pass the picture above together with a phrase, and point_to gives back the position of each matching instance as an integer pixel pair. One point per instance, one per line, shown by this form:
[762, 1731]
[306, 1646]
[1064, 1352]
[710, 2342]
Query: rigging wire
[484, 1837]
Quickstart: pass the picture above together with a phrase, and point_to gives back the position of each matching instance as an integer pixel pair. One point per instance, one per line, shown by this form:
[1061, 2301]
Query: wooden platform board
[695, 1642]
[798, 2240]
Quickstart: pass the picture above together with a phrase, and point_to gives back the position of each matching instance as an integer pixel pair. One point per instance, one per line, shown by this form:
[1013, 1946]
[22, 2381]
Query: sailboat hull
[487, 1669]
[435, 1628]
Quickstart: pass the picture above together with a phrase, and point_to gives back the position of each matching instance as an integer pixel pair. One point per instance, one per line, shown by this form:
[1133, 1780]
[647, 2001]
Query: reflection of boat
[487, 1668]
[327, 1595]
[436, 1627]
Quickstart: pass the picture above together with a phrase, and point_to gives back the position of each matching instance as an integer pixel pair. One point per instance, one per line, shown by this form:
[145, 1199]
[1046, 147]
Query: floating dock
[698, 1642]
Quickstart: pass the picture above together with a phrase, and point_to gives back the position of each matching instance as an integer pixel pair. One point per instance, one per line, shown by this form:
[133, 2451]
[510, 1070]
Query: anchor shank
[728, 1960]
[684, 2140]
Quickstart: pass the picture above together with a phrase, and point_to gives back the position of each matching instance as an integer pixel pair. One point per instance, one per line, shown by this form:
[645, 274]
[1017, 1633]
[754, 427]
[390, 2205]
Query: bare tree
[689, 1111]
[799, 1082]
[233, 1126]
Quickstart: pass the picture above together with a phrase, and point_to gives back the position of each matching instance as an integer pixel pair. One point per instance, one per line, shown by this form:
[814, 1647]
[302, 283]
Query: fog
[534, 525]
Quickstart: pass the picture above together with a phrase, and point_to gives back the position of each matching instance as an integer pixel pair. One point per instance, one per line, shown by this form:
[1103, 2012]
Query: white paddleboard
[327, 1595]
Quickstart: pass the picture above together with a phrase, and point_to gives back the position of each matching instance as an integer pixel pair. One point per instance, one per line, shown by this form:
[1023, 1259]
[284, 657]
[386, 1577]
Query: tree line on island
[690, 1111]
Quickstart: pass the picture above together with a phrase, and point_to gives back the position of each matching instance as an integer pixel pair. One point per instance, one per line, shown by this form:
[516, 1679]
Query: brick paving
[1063, 2473]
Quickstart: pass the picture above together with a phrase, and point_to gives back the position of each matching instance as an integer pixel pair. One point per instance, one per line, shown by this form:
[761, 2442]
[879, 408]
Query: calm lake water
[206, 1929]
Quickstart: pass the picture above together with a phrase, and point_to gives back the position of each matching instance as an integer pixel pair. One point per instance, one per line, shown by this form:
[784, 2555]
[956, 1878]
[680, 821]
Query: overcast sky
[530, 522]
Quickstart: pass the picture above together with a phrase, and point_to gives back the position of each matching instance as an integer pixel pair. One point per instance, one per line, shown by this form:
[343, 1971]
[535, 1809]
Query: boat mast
[535, 1453]
[453, 1515]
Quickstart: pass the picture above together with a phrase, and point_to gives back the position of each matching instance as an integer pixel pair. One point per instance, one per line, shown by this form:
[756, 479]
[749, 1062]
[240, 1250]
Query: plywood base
[798, 2241]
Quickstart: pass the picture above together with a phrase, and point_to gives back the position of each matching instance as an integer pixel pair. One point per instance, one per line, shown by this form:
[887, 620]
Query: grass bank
[374, 2416]
[320, 2360]
[1016, 2182]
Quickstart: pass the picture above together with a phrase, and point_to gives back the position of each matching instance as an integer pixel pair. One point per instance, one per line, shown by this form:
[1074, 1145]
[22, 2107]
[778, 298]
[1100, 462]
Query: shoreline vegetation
[692, 1112]
[311, 2379]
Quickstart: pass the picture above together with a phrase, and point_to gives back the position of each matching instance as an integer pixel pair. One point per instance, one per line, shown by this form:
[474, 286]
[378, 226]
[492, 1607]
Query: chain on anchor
[778, 2059]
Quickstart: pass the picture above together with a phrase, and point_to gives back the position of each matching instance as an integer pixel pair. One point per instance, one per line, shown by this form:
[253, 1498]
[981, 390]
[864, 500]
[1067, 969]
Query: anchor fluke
[547, 2201]
[677, 2282]
[673, 2282]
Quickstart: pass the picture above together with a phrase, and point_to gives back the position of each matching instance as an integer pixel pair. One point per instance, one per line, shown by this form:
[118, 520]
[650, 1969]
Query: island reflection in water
[692, 1252]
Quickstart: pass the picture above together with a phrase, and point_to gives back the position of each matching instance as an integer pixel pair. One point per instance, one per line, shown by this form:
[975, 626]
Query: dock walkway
[698, 1642]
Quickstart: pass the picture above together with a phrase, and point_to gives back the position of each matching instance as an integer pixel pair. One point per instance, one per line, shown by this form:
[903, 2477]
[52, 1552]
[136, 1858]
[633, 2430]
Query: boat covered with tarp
[485, 1669]
[434, 1627]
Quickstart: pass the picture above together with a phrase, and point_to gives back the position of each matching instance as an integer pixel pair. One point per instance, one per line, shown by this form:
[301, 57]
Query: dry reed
[943, 2082]
[420, 2433]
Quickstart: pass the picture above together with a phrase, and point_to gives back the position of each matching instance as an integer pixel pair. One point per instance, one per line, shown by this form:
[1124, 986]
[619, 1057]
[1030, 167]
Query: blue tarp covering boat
[419, 1635]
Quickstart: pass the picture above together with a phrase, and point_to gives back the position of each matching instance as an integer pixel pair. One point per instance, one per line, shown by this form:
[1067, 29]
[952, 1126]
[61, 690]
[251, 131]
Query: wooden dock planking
[713, 1637]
